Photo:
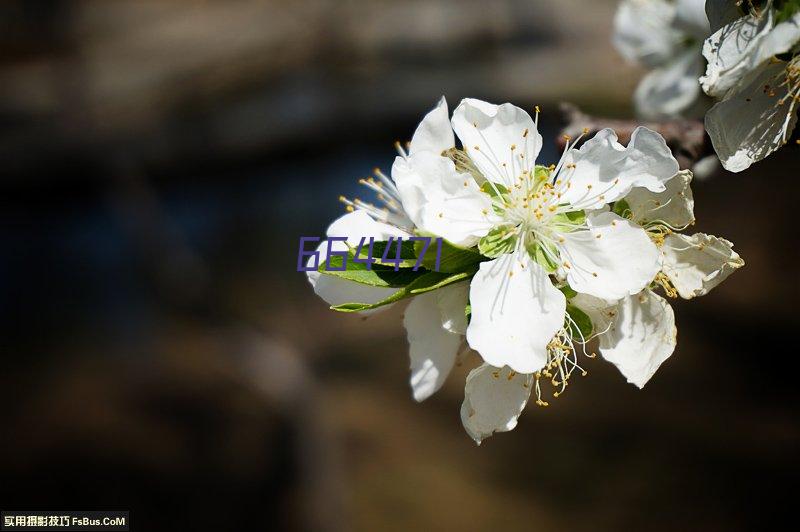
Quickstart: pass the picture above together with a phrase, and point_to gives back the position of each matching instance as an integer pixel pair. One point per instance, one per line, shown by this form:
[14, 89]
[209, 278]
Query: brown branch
[686, 138]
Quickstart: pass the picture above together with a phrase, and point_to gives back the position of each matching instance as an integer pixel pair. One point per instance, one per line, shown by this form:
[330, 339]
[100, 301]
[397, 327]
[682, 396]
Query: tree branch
[686, 138]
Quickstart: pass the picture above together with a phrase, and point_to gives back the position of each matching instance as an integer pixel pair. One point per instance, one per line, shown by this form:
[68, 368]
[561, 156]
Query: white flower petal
[783, 37]
[452, 301]
[442, 201]
[453, 205]
[696, 264]
[610, 260]
[641, 338]
[751, 123]
[674, 206]
[602, 312]
[516, 311]
[409, 176]
[672, 90]
[426, 178]
[502, 140]
[434, 132]
[493, 401]
[462, 219]
[432, 349]
[643, 32]
[733, 51]
[605, 170]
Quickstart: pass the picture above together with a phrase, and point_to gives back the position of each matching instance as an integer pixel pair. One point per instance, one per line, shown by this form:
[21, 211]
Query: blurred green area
[161, 354]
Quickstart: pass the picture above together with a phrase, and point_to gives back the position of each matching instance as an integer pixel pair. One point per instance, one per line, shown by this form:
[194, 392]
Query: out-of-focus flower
[754, 70]
[667, 38]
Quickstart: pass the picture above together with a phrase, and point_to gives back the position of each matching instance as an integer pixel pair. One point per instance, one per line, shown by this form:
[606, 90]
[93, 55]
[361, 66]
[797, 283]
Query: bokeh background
[159, 161]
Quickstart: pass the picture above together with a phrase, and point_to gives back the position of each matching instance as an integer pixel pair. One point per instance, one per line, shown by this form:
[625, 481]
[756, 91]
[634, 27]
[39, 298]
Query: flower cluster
[538, 260]
[754, 70]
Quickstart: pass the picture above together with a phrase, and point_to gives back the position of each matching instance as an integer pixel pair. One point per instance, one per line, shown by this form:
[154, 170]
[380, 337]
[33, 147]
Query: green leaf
[498, 241]
[569, 293]
[407, 254]
[567, 221]
[493, 188]
[537, 252]
[621, 208]
[580, 324]
[576, 217]
[384, 276]
[468, 310]
[426, 282]
[453, 259]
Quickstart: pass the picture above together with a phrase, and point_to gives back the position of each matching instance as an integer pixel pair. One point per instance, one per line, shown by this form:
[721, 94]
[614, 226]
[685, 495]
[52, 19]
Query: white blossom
[565, 253]
[496, 193]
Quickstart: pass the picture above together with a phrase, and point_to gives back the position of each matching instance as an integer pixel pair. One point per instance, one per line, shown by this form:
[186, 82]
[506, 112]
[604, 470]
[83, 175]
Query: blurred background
[161, 353]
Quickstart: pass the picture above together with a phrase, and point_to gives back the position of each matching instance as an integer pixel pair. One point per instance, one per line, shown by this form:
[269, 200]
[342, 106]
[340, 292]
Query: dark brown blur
[159, 161]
